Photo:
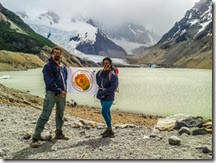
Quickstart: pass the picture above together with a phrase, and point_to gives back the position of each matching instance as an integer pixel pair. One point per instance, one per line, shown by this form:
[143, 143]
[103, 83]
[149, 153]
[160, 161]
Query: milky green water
[142, 90]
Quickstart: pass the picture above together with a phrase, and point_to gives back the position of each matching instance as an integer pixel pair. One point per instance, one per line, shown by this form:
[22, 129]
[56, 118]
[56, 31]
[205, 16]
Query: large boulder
[168, 123]
[189, 122]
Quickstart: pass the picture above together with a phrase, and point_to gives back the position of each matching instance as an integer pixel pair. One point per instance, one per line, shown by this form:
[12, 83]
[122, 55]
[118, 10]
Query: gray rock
[125, 126]
[33, 122]
[206, 149]
[189, 122]
[199, 147]
[47, 137]
[184, 130]
[82, 121]
[160, 137]
[82, 133]
[184, 135]
[174, 140]
[54, 149]
[91, 124]
[131, 126]
[87, 136]
[27, 136]
[77, 125]
[198, 131]
[153, 135]
[146, 137]
[65, 119]
[156, 131]
[100, 127]
[87, 127]
[2, 153]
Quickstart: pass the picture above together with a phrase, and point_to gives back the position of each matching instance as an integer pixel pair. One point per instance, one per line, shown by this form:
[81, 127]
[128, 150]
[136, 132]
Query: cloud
[160, 15]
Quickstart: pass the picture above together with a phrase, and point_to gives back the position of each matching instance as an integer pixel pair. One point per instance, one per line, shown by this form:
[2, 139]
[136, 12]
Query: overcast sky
[160, 15]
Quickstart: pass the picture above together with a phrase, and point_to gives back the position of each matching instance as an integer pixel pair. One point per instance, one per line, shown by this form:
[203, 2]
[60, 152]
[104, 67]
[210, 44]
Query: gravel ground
[129, 143]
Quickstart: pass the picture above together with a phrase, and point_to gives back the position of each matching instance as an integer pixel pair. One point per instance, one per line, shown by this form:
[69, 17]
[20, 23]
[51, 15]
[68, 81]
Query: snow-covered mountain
[188, 43]
[130, 35]
[74, 34]
[134, 33]
[196, 24]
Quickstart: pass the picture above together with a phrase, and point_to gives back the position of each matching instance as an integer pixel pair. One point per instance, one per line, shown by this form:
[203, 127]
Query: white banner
[81, 81]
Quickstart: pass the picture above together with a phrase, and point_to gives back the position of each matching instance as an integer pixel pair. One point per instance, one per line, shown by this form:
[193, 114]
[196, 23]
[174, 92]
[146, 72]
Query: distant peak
[23, 14]
[51, 15]
[91, 22]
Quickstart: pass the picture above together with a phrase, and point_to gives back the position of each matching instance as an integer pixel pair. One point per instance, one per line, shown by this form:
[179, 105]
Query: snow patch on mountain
[96, 58]
[127, 45]
[202, 28]
[86, 32]
[129, 26]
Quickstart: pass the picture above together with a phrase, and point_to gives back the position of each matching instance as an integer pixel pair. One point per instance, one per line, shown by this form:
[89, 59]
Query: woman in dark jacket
[107, 82]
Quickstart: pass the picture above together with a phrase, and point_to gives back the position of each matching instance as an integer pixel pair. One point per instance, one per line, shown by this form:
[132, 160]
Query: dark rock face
[102, 46]
[188, 27]
[91, 22]
[188, 44]
[52, 16]
[189, 122]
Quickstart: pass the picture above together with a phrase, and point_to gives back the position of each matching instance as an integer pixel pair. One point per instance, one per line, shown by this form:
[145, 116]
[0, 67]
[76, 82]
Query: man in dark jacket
[55, 76]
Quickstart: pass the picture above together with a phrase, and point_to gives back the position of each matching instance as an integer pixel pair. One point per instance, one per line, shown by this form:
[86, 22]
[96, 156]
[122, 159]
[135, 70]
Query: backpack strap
[110, 75]
[100, 72]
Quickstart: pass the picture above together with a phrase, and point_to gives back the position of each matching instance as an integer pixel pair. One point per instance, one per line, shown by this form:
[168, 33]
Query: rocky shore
[135, 135]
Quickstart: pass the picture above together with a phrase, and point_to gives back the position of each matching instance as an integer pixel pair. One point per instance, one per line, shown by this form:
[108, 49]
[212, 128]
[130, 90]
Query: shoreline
[118, 117]
[15, 97]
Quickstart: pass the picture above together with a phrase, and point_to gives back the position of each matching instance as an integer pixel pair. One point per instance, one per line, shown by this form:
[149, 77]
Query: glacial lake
[154, 91]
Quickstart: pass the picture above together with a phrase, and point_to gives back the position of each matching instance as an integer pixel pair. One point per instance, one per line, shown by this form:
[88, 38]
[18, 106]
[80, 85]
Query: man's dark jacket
[53, 79]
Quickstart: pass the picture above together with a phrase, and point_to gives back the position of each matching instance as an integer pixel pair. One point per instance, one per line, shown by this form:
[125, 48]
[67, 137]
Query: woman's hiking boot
[35, 143]
[109, 133]
[103, 133]
[60, 135]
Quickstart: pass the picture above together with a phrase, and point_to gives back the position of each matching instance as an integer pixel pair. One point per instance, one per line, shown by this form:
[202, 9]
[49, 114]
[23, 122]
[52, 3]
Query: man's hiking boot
[60, 135]
[35, 143]
[109, 133]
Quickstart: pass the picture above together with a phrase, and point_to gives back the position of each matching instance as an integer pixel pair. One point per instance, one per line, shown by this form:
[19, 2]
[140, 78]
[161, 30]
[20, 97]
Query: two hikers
[55, 77]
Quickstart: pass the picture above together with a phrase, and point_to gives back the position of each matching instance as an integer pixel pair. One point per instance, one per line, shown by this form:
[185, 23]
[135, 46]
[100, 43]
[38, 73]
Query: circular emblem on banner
[82, 81]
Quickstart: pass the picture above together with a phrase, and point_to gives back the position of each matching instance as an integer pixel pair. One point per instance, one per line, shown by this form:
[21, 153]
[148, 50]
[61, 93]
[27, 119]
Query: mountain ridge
[18, 37]
[188, 44]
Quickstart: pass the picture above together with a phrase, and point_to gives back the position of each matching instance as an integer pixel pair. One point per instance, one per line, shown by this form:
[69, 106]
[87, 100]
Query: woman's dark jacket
[107, 86]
